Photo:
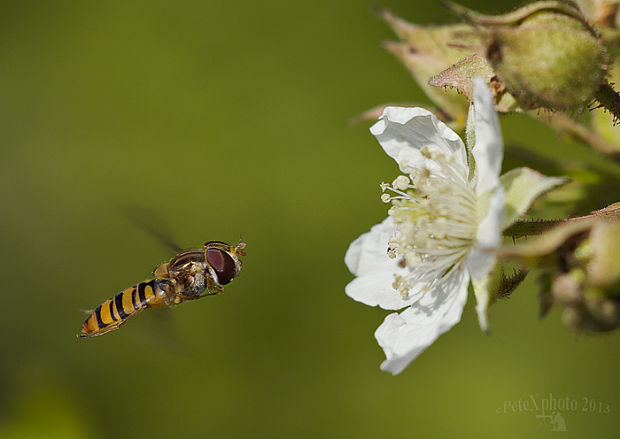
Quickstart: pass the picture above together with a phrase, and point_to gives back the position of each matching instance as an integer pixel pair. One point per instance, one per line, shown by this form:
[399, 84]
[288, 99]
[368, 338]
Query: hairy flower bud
[546, 54]
[585, 307]
[578, 260]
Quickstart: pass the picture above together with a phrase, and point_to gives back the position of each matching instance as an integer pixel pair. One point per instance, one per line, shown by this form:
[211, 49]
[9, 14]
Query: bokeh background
[221, 120]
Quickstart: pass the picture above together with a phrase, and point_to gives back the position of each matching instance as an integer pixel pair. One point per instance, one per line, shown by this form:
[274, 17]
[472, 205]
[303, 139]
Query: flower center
[435, 212]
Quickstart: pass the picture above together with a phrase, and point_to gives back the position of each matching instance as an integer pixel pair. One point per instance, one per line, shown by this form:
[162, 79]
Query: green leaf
[522, 186]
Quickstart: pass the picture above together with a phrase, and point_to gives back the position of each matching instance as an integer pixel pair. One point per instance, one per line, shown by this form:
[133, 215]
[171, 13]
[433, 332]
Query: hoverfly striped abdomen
[115, 311]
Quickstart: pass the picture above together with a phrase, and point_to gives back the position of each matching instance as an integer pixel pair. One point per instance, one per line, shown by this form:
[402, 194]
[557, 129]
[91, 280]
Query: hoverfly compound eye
[223, 264]
[215, 258]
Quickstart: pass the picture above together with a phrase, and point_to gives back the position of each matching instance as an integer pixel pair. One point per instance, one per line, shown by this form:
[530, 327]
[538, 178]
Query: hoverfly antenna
[240, 247]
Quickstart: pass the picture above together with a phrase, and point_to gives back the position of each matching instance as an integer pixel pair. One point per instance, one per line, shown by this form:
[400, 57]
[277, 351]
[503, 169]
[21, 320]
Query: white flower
[446, 213]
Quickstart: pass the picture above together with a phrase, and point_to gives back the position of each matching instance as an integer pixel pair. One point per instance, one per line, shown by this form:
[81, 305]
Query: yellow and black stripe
[112, 313]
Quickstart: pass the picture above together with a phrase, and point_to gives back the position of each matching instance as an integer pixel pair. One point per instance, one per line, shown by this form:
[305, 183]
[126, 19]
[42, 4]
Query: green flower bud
[587, 306]
[545, 53]
[593, 313]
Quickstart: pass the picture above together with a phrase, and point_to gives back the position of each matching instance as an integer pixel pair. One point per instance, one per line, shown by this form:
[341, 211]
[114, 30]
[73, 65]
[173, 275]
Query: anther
[401, 182]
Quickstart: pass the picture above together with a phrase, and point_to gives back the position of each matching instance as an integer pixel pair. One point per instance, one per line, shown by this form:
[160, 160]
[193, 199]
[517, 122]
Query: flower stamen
[434, 209]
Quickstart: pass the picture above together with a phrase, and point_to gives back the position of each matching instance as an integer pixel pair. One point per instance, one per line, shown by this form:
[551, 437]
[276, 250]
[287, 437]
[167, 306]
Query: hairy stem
[535, 227]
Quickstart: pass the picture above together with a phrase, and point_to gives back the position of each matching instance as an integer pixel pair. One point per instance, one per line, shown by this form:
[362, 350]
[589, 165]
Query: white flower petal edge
[483, 300]
[375, 289]
[488, 236]
[403, 131]
[480, 262]
[404, 336]
[368, 252]
[488, 154]
[488, 151]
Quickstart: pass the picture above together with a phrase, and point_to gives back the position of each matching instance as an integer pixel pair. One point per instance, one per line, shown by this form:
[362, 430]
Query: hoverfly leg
[213, 293]
[200, 296]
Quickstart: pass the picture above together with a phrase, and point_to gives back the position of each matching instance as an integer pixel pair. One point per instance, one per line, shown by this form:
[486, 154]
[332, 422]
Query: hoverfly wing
[151, 222]
[158, 328]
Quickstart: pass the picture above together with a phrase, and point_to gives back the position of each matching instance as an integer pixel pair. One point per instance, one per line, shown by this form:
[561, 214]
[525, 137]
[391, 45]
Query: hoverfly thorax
[223, 260]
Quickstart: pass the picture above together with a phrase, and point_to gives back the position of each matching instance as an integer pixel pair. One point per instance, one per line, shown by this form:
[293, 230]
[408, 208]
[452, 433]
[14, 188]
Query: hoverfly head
[223, 260]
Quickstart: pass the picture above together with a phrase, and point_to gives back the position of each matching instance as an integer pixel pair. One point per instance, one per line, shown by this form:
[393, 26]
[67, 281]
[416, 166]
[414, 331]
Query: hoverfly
[185, 277]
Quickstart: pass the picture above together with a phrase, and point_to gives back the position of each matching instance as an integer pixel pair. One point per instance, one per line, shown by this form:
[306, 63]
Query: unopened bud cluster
[547, 54]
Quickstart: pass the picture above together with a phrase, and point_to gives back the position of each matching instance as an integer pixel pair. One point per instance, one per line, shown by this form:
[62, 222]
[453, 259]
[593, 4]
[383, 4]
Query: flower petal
[489, 235]
[402, 131]
[404, 336]
[483, 301]
[375, 289]
[367, 258]
[488, 150]
[369, 251]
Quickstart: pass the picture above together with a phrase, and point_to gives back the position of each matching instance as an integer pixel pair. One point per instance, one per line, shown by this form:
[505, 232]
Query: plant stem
[525, 228]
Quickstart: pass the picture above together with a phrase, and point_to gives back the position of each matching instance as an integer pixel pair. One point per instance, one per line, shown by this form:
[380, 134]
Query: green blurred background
[229, 119]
